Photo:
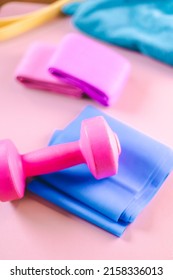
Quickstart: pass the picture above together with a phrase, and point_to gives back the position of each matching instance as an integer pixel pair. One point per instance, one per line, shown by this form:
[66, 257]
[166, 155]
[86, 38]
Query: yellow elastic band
[14, 26]
[11, 19]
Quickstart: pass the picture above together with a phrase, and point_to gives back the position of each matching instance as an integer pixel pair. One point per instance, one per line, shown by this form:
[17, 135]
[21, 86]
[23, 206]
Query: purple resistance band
[33, 71]
[96, 69]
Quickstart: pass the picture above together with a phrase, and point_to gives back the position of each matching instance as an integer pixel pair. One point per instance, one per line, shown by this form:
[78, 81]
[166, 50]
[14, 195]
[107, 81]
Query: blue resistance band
[114, 202]
[141, 25]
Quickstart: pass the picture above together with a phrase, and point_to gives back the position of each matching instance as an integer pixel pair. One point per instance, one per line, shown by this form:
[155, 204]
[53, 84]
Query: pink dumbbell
[98, 147]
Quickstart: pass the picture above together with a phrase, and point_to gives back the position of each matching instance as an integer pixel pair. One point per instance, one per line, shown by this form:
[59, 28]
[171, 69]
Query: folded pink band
[33, 71]
[96, 69]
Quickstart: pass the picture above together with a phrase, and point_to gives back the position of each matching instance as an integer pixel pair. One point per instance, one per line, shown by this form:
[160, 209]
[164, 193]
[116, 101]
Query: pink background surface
[32, 229]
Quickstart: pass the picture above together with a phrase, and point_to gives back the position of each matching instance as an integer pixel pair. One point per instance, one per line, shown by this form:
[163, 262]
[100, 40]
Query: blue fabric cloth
[114, 202]
[141, 25]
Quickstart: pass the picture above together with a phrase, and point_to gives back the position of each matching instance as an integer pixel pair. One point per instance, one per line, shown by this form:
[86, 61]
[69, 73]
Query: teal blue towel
[145, 26]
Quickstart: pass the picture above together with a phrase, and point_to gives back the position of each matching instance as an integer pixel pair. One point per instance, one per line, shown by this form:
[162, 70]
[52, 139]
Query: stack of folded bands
[80, 64]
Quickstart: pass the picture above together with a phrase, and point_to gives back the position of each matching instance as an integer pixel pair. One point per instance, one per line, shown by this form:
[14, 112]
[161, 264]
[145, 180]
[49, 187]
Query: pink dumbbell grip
[52, 159]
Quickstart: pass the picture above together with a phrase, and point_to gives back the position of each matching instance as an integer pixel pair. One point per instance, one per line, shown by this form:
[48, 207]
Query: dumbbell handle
[52, 159]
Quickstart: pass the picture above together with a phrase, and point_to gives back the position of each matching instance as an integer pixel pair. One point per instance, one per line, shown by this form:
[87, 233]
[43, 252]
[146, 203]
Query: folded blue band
[114, 202]
[141, 25]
